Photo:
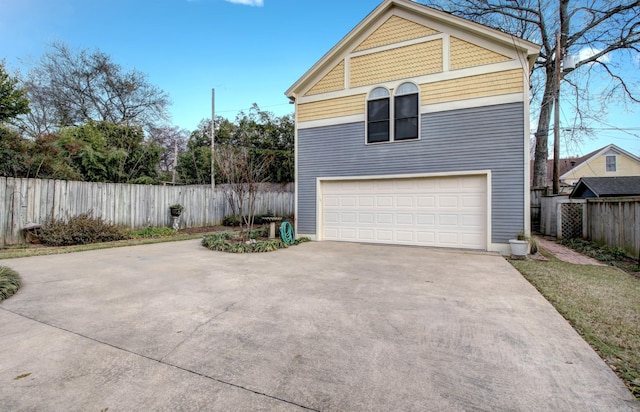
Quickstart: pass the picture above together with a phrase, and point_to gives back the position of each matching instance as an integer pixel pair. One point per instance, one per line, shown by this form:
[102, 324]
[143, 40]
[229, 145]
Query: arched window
[406, 110]
[378, 115]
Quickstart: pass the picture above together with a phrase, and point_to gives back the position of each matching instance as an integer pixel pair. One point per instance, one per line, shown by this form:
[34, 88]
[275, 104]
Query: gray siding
[486, 138]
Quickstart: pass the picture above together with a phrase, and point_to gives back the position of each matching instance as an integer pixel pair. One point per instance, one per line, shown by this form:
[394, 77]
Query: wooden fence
[616, 222]
[24, 201]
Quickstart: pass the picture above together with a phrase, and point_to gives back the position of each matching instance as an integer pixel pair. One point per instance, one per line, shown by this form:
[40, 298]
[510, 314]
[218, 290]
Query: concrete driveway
[321, 326]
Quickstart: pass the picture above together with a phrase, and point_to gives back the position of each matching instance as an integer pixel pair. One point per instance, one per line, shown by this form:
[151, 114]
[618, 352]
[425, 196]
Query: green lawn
[603, 305]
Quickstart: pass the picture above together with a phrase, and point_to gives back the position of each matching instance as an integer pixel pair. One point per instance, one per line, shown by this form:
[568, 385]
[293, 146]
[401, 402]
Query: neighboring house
[591, 187]
[414, 130]
[610, 161]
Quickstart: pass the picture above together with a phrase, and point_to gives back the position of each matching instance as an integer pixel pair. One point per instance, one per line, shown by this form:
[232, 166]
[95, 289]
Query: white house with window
[608, 161]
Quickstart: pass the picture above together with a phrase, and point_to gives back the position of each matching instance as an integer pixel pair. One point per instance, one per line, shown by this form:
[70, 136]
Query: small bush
[152, 232]
[234, 220]
[79, 230]
[230, 242]
[9, 282]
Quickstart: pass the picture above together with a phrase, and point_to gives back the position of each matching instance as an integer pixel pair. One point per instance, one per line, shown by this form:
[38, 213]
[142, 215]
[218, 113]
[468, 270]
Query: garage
[449, 211]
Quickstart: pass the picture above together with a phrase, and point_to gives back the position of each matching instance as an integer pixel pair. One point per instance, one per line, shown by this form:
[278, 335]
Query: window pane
[378, 110]
[406, 88]
[406, 128]
[378, 132]
[406, 106]
[611, 163]
[378, 92]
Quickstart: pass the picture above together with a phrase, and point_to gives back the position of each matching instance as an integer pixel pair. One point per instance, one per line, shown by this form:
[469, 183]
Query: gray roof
[607, 186]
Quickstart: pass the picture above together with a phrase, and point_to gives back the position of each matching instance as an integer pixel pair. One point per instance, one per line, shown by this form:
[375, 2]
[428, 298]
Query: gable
[395, 30]
[594, 165]
[451, 60]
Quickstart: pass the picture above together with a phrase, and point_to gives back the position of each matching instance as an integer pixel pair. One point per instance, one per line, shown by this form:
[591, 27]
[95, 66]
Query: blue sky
[248, 50]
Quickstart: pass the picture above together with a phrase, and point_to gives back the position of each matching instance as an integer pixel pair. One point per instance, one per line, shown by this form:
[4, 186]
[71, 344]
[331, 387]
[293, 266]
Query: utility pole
[556, 117]
[213, 134]
[175, 162]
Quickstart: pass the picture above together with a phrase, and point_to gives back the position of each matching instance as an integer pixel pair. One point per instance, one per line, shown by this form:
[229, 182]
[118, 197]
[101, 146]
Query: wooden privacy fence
[616, 222]
[24, 201]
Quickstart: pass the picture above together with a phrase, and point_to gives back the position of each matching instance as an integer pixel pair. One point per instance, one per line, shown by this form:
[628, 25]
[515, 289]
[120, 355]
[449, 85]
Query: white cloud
[589, 52]
[253, 3]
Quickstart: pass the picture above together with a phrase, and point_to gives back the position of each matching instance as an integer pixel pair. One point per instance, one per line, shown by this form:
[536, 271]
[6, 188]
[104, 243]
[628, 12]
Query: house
[414, 130]
[609, 161]
[590, 187]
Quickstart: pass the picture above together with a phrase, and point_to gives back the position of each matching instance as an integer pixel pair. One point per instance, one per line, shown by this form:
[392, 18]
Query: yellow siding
[325, 109]
[491, 84]
[334, 80]
[403, 62]
[465, 54]
[597, 167]
[395, 30]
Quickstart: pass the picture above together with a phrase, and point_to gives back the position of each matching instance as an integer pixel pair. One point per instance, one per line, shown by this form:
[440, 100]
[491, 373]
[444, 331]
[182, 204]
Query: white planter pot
[519, 247]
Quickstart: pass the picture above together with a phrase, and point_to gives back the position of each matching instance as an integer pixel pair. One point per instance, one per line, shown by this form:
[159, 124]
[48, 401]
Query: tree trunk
[542, 133]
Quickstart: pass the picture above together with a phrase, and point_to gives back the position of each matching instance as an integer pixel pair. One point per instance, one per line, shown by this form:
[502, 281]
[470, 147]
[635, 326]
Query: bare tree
[170, 138]
[604, 34]
[242, 174]
[70, 87]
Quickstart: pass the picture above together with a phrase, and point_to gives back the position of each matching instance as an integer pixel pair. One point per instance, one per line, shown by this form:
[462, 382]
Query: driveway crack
[225, 310]
[171, 365]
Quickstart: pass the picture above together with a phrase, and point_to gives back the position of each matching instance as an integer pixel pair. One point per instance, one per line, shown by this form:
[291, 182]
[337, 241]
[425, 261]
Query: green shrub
[79, 230]
[9, 282]
[151, 232]
[228, 242]
[234, 220]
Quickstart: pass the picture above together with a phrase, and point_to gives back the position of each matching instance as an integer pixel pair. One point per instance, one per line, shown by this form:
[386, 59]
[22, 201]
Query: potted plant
[519, 245]
[176, 209]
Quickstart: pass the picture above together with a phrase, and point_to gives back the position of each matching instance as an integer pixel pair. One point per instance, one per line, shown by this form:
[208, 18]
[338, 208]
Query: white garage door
[438, 211]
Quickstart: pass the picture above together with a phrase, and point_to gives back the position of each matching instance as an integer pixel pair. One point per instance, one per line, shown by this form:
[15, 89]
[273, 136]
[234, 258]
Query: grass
[601, 303]
[12, 252]
[9, 282]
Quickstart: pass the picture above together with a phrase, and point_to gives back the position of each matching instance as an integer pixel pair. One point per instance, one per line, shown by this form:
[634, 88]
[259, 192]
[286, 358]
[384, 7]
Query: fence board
[615, 222]
[25, 201]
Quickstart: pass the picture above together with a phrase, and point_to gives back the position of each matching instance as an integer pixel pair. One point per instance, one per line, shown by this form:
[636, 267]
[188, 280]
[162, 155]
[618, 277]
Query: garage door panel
[404, 202]
[448, 201]
[366, 201]
[405, 236]
[384, 218]
[426, 220]
[426, 201]
[366, 218]
[404, 219]
[384, 236]
[439, 211]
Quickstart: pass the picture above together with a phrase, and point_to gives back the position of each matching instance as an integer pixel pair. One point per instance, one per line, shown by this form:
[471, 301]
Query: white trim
[527, 157]
[446, 53]
[487, 173]
[419, 80]
[475, 102]
[331, 121]
[296, 169]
